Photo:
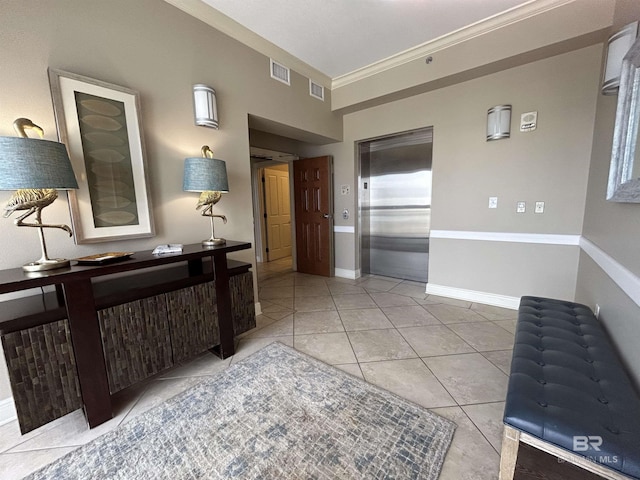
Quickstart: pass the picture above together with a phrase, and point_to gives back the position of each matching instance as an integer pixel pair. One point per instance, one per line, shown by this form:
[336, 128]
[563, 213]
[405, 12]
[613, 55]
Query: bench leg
[509, 452]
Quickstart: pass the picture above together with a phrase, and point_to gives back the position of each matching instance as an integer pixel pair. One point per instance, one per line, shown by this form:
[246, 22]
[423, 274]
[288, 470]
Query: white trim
[628, 282]
[508, 17]
[7, 411]
[344, 273]
[344, 229]
[258, 308]
[544, 238]
[474, 296]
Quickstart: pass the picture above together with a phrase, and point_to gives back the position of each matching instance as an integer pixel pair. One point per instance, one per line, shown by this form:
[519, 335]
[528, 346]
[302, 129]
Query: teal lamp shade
[34, 163]
[205, 174]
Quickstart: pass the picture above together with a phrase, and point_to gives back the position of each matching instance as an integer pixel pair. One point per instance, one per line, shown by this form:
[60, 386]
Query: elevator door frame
[364, 262]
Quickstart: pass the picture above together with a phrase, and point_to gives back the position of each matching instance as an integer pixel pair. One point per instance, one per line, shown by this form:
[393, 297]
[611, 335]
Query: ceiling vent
[315, 90]
[280, 72]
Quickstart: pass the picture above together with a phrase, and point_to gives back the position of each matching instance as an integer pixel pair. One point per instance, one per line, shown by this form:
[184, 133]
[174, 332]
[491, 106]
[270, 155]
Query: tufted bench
[569, 394]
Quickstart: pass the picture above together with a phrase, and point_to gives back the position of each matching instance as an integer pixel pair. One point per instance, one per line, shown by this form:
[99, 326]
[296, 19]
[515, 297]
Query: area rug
[278, 414]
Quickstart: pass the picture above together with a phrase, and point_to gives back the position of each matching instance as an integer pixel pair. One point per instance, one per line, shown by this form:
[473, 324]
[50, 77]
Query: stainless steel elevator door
[395, 205]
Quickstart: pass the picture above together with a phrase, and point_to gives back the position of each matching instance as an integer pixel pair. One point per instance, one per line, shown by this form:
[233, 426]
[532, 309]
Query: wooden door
[278, 212]
[314, 215]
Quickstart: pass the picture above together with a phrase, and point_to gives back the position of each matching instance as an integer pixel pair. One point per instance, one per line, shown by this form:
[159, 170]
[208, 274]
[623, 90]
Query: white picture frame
[100, 125]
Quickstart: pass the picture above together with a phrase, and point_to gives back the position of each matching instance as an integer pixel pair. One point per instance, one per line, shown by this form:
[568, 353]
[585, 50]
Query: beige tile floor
[447, 355]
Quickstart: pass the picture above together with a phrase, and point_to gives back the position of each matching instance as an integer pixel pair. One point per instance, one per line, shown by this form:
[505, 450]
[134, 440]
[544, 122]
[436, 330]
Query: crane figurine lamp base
[213, 242]
[48, 264]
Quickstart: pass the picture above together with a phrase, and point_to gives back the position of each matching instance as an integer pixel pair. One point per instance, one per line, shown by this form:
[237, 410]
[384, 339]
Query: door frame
[259, 225]
[272, 212]
[358, 151]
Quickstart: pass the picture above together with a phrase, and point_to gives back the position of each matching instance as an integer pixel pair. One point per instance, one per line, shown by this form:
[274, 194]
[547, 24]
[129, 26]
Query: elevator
[395, 204]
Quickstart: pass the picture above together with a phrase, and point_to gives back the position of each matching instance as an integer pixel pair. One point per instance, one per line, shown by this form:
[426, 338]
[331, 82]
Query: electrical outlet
[539, 207]
[493, 202]
[345, 189]
[521, 207]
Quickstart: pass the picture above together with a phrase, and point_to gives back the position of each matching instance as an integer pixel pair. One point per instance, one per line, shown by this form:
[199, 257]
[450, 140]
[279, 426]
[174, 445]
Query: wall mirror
[624, 173]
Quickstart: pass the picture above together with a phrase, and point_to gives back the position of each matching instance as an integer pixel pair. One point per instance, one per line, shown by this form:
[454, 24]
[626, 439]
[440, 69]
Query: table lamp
[35, 168]
[207, 175]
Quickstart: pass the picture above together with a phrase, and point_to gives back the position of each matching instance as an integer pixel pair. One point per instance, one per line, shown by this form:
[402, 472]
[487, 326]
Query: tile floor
[447, 355]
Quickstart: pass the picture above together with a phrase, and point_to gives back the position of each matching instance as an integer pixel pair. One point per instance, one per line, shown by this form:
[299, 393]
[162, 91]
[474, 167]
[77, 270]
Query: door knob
[326, 215]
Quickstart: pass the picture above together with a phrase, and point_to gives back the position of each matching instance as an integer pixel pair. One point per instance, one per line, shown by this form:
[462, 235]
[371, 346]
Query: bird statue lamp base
[46, 264]
[213, 241]
[207, 200]
[32, 201]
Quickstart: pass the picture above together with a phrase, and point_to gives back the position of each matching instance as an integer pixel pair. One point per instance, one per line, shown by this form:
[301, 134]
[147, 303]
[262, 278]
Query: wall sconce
[204, 106]
[499, 122]
[617, 47]
[36, 169]
[207, 175]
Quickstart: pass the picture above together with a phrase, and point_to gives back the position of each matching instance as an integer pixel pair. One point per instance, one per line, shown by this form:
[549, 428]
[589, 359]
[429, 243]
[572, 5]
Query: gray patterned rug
[278, 414]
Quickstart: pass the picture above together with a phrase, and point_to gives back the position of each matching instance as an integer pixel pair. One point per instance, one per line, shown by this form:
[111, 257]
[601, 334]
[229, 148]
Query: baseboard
[7, 411]
[474, 296]
[344, 273]
[258, 308]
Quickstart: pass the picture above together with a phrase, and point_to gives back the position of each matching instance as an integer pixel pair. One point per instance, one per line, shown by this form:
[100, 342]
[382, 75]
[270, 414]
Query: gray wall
[550, 164]
[156, 49]
[614, 228]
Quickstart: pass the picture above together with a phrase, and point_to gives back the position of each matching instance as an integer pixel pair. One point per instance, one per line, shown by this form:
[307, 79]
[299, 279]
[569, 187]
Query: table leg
[195, 267]
[223, 297]
[87, 347]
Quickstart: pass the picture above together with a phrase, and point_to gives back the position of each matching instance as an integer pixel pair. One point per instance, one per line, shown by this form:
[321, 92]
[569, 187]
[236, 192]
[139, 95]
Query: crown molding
[221, 22]
[500, 20]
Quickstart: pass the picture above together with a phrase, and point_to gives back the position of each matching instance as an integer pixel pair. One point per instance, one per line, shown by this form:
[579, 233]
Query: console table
[86, 295]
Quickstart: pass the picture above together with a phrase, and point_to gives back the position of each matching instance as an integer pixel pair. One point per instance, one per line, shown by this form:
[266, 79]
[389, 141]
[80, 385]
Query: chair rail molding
[543, 238]
[628, 282]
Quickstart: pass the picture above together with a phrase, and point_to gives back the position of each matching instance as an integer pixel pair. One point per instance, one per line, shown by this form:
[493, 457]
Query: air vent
[316, 91]
[280, 72]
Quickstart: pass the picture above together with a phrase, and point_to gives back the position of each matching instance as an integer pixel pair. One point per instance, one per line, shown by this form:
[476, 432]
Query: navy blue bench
[569, 394]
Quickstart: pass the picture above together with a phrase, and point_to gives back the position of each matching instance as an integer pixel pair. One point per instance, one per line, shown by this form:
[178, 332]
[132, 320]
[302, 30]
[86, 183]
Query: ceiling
[338, 37]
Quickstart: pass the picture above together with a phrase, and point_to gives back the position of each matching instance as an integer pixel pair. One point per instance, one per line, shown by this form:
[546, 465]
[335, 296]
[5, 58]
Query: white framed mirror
[624, 173]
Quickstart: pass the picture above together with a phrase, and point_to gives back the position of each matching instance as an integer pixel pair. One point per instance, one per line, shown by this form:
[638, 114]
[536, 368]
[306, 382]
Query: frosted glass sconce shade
[204, 106]
[499, 122]
[617, 47]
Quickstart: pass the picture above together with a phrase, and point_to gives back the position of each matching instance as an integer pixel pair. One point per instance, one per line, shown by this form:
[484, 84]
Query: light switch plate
[493, 202]
[521, 207]
[539, 207]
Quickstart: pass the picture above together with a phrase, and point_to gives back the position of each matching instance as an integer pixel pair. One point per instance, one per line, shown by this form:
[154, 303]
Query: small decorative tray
[102, 258]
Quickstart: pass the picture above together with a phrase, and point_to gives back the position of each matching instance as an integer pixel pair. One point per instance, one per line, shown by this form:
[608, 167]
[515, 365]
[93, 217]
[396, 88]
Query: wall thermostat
[528, 121]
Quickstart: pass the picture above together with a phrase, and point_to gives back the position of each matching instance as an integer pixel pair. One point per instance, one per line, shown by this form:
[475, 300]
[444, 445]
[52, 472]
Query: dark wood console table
[79, 296]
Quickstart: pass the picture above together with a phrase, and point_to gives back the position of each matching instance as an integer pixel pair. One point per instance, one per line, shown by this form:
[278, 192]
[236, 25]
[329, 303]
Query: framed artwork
[100, 125]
